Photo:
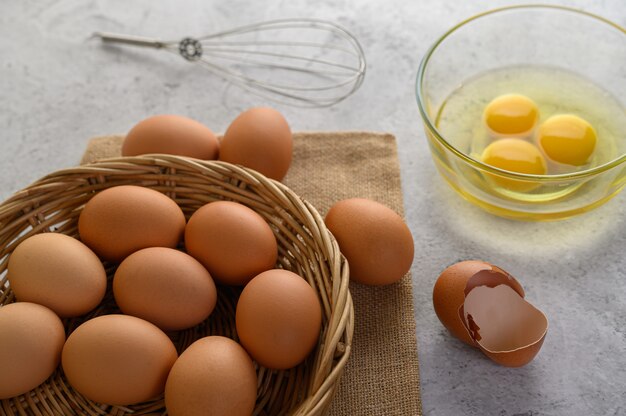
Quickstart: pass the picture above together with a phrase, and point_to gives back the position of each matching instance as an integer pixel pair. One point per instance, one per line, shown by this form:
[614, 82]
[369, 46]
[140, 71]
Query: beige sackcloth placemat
[382, 374]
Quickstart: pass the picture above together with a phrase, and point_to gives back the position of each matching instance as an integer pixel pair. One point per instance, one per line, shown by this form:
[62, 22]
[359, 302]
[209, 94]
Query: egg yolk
[568, 139]
[511, 114]
[515, 155]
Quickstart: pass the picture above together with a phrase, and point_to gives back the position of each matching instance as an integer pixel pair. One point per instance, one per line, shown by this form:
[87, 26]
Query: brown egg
[31, 340]
[173, 135]
[213, 376]
[164, 286]
[232, 241]
[59, 272]
[511, 336]
[278, 319]
[121, 220]
[484, 306]
[118, 359]
[259, 138]
[374, 239]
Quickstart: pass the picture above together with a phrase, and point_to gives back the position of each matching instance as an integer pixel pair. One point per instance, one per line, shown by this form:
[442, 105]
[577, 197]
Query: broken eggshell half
[484, 306]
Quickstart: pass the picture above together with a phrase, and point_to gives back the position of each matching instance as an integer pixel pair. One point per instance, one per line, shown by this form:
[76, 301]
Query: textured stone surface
[58, 88]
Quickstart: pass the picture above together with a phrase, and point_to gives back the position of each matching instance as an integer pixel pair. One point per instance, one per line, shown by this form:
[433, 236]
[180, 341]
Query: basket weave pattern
[305, 246]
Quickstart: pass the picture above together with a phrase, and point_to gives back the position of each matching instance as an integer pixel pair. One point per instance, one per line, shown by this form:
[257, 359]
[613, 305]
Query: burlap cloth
[382, 374]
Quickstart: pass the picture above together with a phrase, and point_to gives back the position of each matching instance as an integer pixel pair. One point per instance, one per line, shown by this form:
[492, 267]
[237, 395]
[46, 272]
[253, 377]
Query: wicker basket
[54, 203]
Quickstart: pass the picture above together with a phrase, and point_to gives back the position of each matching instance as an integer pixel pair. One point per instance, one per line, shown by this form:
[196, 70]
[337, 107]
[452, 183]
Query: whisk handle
[129, 40]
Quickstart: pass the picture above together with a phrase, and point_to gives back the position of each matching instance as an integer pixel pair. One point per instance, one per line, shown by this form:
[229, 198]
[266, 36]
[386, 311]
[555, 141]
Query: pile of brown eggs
[127, 358]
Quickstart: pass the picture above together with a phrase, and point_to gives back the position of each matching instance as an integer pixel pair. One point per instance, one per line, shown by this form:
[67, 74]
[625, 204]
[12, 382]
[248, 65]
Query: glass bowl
[569, 42]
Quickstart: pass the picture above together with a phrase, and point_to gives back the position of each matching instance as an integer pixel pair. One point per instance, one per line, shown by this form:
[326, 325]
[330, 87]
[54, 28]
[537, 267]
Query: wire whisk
[300, 62]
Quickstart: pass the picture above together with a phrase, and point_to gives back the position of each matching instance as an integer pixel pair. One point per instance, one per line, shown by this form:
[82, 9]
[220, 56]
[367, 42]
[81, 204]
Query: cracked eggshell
[512, 336]
[456, 282]
[484, 306]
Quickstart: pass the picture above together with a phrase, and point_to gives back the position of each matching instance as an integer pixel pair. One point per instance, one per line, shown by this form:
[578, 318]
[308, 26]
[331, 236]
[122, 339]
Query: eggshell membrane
[123, 219]
[164, 286]
[455, 282]
[374, 239]
[213, 376]
[173, 135]
[511, 337]
[118, 359]
[278, 319]
[31, 340]
[232, 241]
[59, 272]
[261, 139]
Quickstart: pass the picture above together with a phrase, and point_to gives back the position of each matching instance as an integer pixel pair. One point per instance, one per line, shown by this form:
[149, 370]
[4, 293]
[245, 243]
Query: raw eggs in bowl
[524, 110]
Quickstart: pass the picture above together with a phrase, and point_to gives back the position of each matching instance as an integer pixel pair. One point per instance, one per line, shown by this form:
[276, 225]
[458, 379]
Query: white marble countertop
[58, 89]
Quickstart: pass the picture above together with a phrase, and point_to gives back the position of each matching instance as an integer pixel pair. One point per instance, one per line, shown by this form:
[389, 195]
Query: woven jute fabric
[382, 375]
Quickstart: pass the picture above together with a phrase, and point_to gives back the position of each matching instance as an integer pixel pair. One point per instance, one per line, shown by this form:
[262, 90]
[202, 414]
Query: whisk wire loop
[287, 67]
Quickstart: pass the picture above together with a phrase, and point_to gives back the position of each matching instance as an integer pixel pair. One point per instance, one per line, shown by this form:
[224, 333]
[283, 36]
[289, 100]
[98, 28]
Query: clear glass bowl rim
[501, 172]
